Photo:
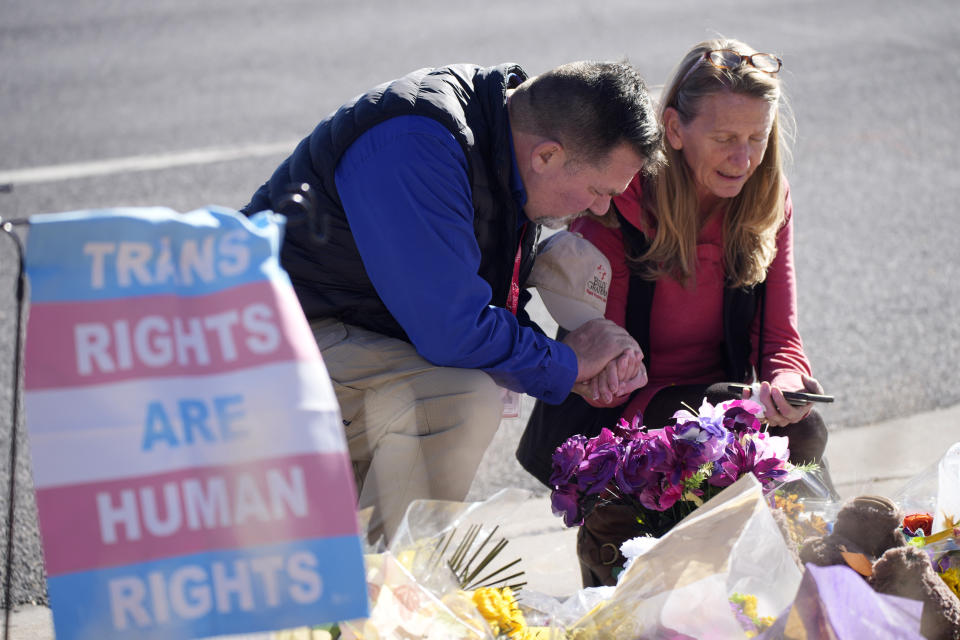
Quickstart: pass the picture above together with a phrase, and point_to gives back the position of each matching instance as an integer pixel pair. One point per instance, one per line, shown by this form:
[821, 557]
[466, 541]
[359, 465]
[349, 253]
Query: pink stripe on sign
[106, 524]
[100, 342]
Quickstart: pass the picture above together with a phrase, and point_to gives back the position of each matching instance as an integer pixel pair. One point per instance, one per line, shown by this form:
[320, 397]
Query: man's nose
[600, 206]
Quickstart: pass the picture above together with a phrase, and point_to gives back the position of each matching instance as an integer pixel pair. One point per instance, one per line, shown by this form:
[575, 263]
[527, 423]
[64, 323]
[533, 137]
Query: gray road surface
[874, 85]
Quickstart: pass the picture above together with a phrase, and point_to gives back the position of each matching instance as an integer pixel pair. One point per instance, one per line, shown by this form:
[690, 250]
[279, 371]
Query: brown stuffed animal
[867, 538]
[867, 525]
[906, 572]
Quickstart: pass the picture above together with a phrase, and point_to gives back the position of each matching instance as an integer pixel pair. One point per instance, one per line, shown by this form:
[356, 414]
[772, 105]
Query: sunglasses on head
[730, 59]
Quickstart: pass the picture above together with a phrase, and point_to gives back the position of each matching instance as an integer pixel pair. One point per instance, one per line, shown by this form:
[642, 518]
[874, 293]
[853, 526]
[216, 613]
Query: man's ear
[548, 156]
[671, 128]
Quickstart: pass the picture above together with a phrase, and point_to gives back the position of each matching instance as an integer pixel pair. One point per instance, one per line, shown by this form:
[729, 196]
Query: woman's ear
[672, 128]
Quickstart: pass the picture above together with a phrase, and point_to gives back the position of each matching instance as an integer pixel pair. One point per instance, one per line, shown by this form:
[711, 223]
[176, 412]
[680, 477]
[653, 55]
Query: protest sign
[191, 472]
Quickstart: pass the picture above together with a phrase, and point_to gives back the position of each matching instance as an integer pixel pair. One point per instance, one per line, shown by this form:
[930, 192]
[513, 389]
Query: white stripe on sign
[137, 428]
[53, 173]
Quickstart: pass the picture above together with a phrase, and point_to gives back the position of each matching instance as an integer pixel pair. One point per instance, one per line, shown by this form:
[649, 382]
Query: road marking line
[54, 173]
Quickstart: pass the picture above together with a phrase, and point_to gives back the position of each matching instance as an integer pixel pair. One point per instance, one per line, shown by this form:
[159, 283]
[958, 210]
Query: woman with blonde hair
[703, 277]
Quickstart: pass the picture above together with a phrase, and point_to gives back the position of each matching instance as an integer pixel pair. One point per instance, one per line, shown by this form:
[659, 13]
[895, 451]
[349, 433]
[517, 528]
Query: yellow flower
[489, 601]
[952, 578]
[801, 525]
[750, 606]
[500, 609]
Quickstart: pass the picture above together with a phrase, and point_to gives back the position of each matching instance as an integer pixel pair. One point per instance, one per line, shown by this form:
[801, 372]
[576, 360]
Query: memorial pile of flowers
[666, 473]
[717, 476]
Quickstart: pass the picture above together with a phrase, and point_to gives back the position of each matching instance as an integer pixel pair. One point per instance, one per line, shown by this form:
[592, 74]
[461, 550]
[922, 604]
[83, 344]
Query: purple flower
[681, 450]
[659, 447]
[566, 459]
[765, 456]
[773, 453]
[746, 622]
[600, 461]
[710, 417]
[707, 440]
[742, 415]
[735, 461]
[636, 469]
[565, 501]
[685, 416]
[706, 430]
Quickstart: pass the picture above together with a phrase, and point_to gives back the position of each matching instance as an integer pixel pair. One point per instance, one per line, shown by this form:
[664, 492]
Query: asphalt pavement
[182, 104]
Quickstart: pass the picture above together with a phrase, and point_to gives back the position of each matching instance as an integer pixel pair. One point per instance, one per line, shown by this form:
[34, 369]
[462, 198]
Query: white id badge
[511, 403]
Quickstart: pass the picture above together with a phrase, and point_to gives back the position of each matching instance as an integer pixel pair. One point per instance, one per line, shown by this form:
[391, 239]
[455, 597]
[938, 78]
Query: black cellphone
[796, 398]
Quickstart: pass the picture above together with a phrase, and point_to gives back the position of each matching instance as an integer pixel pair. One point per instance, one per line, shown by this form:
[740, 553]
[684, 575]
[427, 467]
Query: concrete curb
[881, 458]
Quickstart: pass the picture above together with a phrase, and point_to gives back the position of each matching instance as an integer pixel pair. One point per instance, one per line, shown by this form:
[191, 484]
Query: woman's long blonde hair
[752, 218]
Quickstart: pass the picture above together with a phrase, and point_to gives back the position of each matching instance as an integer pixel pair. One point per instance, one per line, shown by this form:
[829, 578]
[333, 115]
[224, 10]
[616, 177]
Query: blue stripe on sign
[215, 593]
[119, 253]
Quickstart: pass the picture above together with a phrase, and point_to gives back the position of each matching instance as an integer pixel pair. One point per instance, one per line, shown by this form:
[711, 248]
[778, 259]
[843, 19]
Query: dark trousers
[606, 527]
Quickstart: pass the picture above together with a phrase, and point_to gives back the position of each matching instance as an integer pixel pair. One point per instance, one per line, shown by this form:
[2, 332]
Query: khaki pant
[414, 430]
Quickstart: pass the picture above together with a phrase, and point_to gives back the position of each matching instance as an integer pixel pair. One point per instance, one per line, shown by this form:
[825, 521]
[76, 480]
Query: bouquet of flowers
[666, 473]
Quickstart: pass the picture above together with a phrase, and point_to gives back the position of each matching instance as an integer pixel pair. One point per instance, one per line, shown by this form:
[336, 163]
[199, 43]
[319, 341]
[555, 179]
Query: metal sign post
[7, 228]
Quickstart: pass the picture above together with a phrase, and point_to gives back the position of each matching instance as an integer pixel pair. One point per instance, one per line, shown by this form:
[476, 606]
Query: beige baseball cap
[572, 277]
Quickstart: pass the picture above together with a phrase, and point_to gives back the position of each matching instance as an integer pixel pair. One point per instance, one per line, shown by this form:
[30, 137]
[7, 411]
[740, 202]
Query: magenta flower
[742, 415]
[606, 436]
[759, 454]
[630, 431]
[773, 453]
[659, 497]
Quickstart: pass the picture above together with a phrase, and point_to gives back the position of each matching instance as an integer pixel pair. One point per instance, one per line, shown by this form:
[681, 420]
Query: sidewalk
[875, 459]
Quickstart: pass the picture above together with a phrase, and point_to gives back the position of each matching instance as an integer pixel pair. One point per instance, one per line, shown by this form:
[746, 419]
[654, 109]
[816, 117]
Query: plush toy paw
[907, 572]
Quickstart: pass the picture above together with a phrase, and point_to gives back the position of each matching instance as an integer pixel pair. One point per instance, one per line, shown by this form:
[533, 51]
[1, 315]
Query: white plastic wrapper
[935, 490]
[948, 489]
[682, 583]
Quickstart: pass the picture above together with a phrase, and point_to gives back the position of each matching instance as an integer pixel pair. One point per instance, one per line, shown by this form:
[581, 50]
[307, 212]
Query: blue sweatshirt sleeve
[407, 196]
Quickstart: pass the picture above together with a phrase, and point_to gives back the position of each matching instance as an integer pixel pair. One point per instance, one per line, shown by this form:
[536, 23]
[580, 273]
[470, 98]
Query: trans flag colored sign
[191, 472]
